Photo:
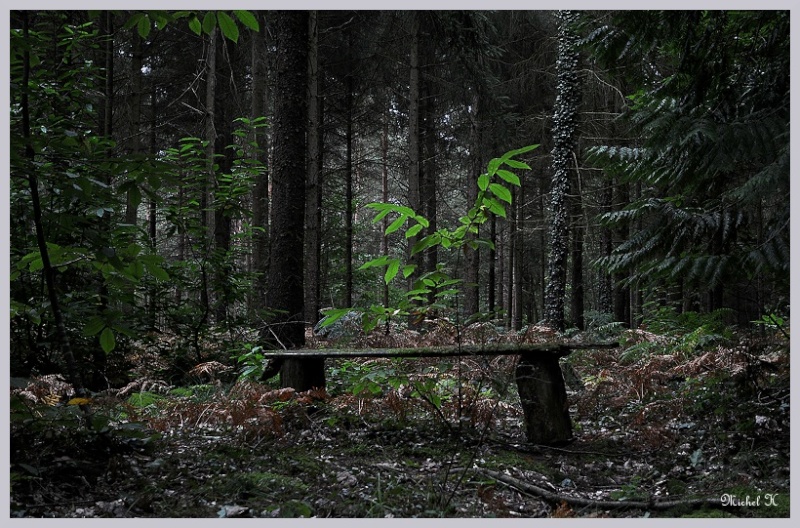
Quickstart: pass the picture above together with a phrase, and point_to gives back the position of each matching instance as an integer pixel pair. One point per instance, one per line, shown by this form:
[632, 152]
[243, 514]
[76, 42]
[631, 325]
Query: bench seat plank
[500, 349]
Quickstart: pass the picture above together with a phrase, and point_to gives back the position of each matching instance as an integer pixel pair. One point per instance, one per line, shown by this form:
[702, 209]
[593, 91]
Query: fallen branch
[558, 498]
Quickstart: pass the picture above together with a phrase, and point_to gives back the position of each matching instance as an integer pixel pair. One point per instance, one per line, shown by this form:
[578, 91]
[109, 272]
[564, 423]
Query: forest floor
[662, 429]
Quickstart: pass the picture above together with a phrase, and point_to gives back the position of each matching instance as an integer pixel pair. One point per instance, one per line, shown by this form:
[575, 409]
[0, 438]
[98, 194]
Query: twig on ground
[558, 498]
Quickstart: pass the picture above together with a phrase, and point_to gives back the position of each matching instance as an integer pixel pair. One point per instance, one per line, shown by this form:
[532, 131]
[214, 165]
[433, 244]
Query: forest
[192, 192]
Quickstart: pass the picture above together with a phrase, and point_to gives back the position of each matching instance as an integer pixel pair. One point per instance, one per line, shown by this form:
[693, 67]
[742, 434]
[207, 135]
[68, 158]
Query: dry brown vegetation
[423, 438]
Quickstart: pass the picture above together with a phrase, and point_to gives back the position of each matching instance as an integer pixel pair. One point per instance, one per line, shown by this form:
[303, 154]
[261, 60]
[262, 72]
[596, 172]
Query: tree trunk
[428, 159]
[519, 252]
[259, 104]
[152, 222]
[348, 199]
[414, 144]
[472, 256]
[210, 135]
[137, 58]
[385, 196]
[285, 280]
[567, 100]
[492, 264]
[577, 233]
[606, 287]
[313, 180]
[622, 300]
[500, 283]
[106, 112]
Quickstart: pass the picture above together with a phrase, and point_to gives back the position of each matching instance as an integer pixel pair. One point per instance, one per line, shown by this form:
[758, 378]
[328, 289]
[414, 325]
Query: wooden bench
[540, 382]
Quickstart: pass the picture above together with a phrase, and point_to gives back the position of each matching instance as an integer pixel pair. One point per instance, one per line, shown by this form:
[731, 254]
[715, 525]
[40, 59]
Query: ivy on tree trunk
[564, 120]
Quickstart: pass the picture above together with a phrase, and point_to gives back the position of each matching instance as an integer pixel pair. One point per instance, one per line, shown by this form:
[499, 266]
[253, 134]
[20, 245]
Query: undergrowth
[396, 437]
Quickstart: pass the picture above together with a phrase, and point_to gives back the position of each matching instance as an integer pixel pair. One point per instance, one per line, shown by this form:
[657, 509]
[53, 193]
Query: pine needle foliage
[713, 162]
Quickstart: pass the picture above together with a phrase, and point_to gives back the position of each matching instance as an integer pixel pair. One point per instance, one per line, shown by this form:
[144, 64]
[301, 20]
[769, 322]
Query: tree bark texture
[492, 263]
[564, 120]
[622, 298]
[385, 195]
[223, 115]
[348, 172]
[131, 207]
[472, 256]
[518, 244]
[577, 235]
[414, 122]
[427, 182]
[313, 179]
[285, 279]
[259, 108]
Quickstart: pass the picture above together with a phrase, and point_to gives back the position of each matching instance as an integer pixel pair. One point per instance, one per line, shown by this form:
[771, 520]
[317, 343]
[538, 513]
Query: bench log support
[543, 397]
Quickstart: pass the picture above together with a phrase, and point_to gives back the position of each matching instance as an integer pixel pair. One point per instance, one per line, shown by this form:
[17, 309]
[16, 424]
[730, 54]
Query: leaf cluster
[145, 21]
[489, 201]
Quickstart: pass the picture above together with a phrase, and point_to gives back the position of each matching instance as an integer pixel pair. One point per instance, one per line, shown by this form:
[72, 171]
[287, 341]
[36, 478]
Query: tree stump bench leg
[543, 396]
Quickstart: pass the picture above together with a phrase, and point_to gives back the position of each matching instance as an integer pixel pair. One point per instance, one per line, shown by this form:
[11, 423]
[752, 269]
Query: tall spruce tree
[285, 279]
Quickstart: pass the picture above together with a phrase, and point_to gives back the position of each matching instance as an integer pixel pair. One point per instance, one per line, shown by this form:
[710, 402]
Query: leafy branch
[493, 194]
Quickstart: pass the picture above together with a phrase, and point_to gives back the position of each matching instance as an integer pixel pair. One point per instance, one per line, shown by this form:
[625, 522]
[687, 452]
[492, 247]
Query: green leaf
[494, 164]
[107, 340]
[333, 315]
[94, 326]
[483, 182]
[380, 215]
[155, 269]
[495, 206]
[501, 192]
[425, 243]
[516, 152]
[422, 220]
[143, 27]
[228, 26]
[391, 271]
[380, 261]
[161, 20]
[135, 270]
[394, 226]
[408, 270]
[369, 324]
[209, 22]
[514, 164]
[35, 265]
[414, 230]
[509, 176]
[403, 210]
[195, 26]
[247, 18]
[133, 20]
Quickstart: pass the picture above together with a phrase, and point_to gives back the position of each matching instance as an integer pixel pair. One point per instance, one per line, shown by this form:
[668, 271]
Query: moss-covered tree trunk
[564, 121]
